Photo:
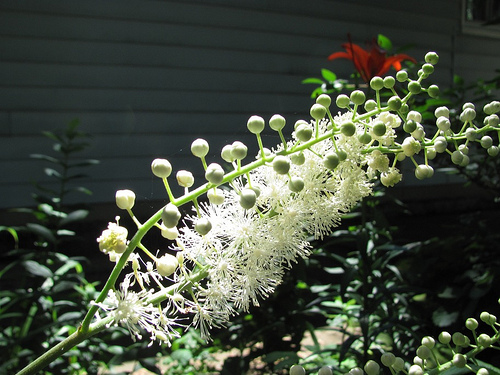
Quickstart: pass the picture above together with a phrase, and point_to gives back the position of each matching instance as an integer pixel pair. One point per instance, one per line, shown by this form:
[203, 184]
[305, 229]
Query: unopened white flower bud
[493, 150]
[415, 370]
[281, 164]
[161, 168]
[415, 116]
[440, 144]
[169, 233]
[317, 111]
[170, 215]
[419, 132]
[277, 122]
[226, 153]
[324, 100]
[203, 226]
[239, 150]
[372, 367]
[486, 141]
[125, 199]
[297, 370]
[185, 178]
[248, 197]
[331, 160]
[296, 184]
[214, 173]
[342, 101]
[298, 158]
[166, 265]
[303, 132]
[200, 148]
[424, 171]
[442, 112]
[388, 359]
[443, 123]
[468, 114]
[470, 134]
[325, 370]
[215, 196]
[256, 124]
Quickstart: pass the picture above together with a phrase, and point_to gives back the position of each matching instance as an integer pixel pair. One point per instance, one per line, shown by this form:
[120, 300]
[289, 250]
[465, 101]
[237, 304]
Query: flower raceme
[234, 248]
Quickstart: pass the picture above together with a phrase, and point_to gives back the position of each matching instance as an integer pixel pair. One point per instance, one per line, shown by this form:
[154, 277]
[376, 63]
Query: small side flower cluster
[250, 224]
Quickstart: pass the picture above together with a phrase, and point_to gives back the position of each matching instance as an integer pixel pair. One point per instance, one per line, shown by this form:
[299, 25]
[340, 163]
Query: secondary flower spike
[370, 63]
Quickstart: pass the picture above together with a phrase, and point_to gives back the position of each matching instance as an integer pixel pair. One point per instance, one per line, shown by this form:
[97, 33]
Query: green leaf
[37, 269]
[328, 75]
[13, 233]
[42, 231]
[48, 158]
[384, 42]
[316, 81]
[77, 215]
[52, 172]
[182, 355]
[442, 318]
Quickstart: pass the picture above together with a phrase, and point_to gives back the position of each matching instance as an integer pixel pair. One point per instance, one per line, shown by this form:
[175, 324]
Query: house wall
[145, 78]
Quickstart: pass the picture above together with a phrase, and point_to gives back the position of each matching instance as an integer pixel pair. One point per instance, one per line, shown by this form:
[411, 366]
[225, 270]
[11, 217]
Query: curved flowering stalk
[235, 247]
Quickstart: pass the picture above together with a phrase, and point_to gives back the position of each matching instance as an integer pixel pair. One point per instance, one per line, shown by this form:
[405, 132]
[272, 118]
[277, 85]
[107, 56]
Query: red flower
[370, 63]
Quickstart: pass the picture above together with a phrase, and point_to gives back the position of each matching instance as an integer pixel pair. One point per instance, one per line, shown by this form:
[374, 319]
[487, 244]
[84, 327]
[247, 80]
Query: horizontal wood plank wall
[145, 78]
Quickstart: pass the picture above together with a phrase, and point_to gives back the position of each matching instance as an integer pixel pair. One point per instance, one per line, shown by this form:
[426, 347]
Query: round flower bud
[377, 83]
[317, 111]
[202, 226]
[342, 101]
[468, 114]
[214, 173]
[277, 122]
[185, 178]
[471, 324]
[458, 339]
[372, 367]
[486, 141]
[166, 265]
[169, 233]
[402, 75]
[342, 155]
[325, 370]
[365, 138]
[356, 371]
[199, 148]
[370, 105]
[433, 91]
[428, 341]
[482, 371]
[431, 58]
[457, 157]
[415, 370]
[428, 68]
[399, 364]
[170, 215]
[414, 87]
[299, 122]
[161, 168]
[388, 359]
[431, 153]
[255, 189]
[470, 134]
[298, 158]
[256, 124]
[415, 116]
[493, 151]
[389, 82]
[488, 318]
[492, 120]
[443, 123]
[423, 352]
[358, 97]
[331, 160]
[226, 153]
[440, 144]
[281, 164]
[463, 149]
[296, 184]
[459, 360]
[324, 100]
[348, 128]
[247, 198]
[394, 103]
[418, 133]
[125, 199]
[442, 111]
[410, 126]
[424, 171]
[297, 370]
[484, 340]
[239, 150]
[468, 105]
[379, 128]
[411, 146]
[444, 338]
[215, 196]
[404, 109]
[489, 109]
[304, 132]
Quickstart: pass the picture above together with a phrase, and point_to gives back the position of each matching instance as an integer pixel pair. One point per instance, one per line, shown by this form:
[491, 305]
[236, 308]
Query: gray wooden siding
[146, 78]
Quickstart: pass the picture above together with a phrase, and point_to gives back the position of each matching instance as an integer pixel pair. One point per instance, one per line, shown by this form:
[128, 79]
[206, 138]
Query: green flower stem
[64, 346]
